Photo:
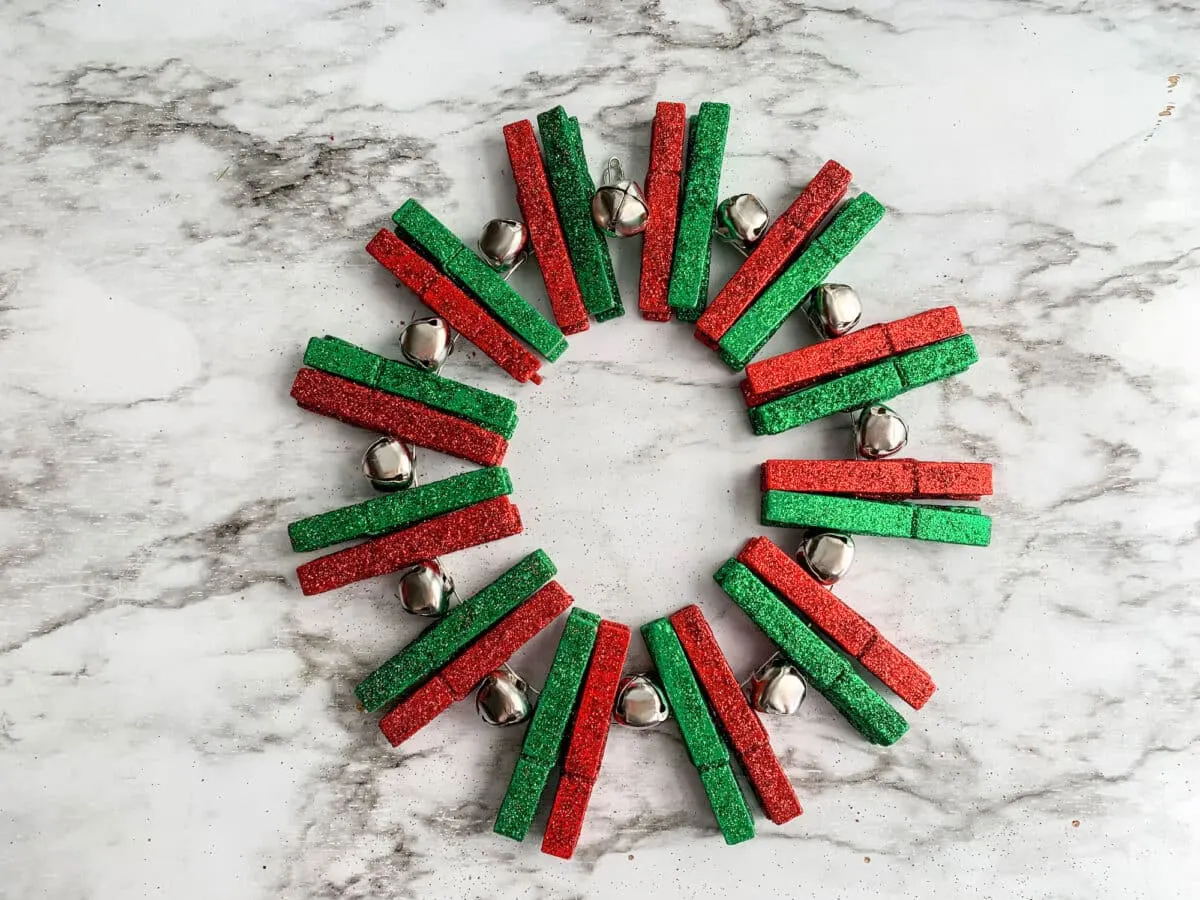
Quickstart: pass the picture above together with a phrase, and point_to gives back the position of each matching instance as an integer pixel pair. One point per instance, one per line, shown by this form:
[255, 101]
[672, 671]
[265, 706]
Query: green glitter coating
[852, 224]
[337, 357]
[572, 188]
[687, 703]
[764, 317]
[826, 669]
[521, 800]
[522, 318]
[728, 804]
[427, 233]
[952, 525]
[391, 512]
[447, 637]
[557, 700]
[850, 391]
[822, 665]
[688, 291]
[617, 309]
[850, 514]
[937, 361]
[482, 281]
[543, 740]
[709, 754]
[946, 524]
[871, 715]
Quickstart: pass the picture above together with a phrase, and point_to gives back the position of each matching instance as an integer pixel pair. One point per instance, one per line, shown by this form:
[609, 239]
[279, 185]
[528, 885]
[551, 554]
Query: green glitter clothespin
[707, 749]
[543, 740]
[945, 524]
[436, 241]
[688, 288]
[338, 357]
[826, 669]
[756, 326]
[572, 187]
[873, 384]
[383, 515]
[450, 635]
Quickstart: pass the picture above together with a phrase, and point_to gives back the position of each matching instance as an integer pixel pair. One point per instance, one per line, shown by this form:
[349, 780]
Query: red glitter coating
[769, 379]
[771, 784]
[911, 683]
[740, 722]
[952, 481]
[778, 376]
[776, 249]
[838, 476]
[845, 627]
[459, 677]
[505, 638]
[545, 233]
[445, 298]
[589, 735]
[488, 521]
[923, 329]
[662, 198]
[364, 407]
[666, 138]
[887, 479]
[848, 629]
[566, 815]
[416, 711]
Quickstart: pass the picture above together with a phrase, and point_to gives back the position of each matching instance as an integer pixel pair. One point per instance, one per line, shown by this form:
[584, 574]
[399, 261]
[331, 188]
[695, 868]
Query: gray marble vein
[186, 194]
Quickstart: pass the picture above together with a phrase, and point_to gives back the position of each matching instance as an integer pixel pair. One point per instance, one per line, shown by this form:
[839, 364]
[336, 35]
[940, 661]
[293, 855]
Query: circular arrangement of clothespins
[411, 407]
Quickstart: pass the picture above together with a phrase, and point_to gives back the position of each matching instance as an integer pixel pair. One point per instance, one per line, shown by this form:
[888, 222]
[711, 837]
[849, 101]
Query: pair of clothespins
[469, 294]
[447, 660]
[583, 680]
[681, 190]
[856, 369]
[692, 667]
[874, 497]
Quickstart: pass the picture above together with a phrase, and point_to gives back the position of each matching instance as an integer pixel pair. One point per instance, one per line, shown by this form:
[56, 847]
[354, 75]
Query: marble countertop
[186, 196]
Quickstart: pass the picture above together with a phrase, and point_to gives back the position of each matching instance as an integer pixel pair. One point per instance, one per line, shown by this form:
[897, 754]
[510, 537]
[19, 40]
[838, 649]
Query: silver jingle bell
[741, 221]
[833, 309]
[427, 343]
[827, 555]
[390, 465]
[777, 687]
[503, 699]
[504, 244]
[619, 207]
[640, 703]
[425, 590]
[879, 432]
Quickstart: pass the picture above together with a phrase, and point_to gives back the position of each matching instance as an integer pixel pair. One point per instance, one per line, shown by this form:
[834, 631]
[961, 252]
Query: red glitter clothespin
[408, 420]
[445, 298]
[488, 521]
[845, 627]
[746, 733]
[589, 735]
[883, 479]
[662, 197]
[460, 676]
[545, 232]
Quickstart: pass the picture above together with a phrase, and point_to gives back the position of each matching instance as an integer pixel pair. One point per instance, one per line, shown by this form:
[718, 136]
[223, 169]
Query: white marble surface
[187, 190]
